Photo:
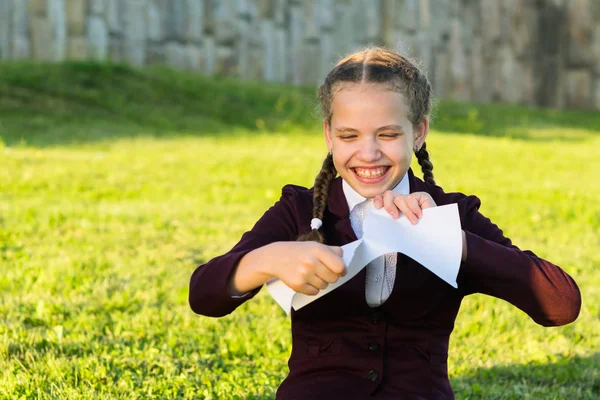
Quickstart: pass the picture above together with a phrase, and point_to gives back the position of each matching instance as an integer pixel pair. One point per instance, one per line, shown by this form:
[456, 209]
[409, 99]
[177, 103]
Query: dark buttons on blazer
[373, 346]
[377, 317]
[373, 375]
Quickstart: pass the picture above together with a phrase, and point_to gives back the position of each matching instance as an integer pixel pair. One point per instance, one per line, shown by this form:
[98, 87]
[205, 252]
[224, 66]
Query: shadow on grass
[568, 378]
[81, 102]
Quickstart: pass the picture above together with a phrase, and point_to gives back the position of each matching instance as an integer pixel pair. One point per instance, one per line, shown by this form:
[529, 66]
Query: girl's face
[371, 137]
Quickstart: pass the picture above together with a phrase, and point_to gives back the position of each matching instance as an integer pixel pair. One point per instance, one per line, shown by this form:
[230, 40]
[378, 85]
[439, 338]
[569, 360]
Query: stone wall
[538, 52]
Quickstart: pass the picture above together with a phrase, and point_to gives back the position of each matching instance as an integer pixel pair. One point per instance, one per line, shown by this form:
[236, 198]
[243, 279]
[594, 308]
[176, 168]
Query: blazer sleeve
[496, 267]
[208, 285]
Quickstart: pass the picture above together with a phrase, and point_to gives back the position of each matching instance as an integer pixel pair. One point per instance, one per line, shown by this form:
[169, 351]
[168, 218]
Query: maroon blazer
[344, 349]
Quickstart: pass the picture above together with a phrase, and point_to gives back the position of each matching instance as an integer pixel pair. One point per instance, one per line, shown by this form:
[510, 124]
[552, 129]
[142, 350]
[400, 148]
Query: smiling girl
[385, 332]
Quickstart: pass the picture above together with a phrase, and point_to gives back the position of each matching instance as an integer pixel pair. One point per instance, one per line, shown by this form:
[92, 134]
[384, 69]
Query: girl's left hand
[411, 205]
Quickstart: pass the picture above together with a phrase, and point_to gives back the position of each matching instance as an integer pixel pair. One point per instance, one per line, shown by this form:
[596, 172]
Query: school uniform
[344, 348]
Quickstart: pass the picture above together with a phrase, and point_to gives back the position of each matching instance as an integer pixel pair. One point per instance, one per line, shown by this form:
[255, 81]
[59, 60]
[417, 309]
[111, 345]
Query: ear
[420, 133]
[327, 133]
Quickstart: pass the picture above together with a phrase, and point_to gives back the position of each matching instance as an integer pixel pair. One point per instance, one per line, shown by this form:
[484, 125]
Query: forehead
[368, 103]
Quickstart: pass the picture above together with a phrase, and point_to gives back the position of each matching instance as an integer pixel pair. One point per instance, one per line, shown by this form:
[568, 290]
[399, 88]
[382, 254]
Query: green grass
[115, 183]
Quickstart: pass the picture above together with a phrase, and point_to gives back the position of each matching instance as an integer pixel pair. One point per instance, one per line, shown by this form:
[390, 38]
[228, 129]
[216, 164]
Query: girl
[385, 332]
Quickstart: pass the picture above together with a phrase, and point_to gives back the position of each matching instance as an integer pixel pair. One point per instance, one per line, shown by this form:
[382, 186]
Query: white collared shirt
[380, 274]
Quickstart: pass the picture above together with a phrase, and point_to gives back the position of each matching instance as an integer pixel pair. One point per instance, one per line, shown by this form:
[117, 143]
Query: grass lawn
[116, 183]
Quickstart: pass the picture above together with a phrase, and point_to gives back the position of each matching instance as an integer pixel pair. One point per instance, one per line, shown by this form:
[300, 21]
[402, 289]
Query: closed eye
[390, 135]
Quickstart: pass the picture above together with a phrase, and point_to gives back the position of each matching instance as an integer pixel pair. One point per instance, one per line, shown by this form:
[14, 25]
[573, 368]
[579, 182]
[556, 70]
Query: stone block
[550, 28]
[409, 16]
[38, 8]
[194, 60]
[175, 20]
[424, 14]
[295, 45]
[475, 70]
[579, 89]
[439, 27]
[388, 12]
[20, 18]
[310, 21]
[441, 72]
[5, 30]
[327, 56]
[510, 76]
[521, 27]
[154, 22]
[527, 83]
[310, 58]
[134, 43]
[579, 28]
[21, 47]
[281, 55]
[97, 7]
[342, 33]
[279, 12]
[115, 49]
[114, 12]
[41, 30]
[269, 40]
[597, 93]
[459, 88]
[372, 18]
[242, 46]
[98, 38]
[156, 53]
[210, 55]
[76, 16]
[225, 29]
[266, 9]
[175, 55]
[194, 20]
[596, 50]
[77, 48]
[226, 61]
[547, 79]
[490, 20]
[58, 21]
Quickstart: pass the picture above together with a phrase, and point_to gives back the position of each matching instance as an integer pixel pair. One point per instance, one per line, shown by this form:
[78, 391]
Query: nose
[369, 150]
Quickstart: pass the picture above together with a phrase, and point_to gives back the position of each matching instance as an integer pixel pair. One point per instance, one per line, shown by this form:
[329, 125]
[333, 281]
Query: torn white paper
[435, 242]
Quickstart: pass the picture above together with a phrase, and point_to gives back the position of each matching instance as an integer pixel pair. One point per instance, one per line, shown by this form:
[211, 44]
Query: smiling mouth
[370, 173]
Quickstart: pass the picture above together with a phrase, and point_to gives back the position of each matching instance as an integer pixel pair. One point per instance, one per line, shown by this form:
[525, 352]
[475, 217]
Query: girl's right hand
[306, 267]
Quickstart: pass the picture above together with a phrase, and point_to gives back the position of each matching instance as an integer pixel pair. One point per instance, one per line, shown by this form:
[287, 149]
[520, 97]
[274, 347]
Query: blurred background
[534, 52]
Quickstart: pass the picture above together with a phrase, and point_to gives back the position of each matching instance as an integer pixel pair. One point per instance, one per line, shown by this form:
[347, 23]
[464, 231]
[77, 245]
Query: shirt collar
[353, 198]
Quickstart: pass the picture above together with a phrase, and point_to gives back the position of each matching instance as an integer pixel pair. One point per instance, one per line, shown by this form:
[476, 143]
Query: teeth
[370, 172]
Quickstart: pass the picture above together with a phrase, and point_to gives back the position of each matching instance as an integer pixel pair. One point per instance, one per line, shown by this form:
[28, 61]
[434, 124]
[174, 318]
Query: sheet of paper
[435, 242]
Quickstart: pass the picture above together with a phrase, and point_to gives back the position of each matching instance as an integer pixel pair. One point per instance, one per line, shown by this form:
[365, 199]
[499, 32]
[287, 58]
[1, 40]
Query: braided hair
[371, 65]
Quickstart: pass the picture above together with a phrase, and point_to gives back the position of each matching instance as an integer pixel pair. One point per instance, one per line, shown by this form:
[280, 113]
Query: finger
[337, 250]
[389, 203]
[332, 259]
[425, 200]
[378, 201]
[414, 206]
[325, 274]
[307, 289]
[315, 281]
[400, 202]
